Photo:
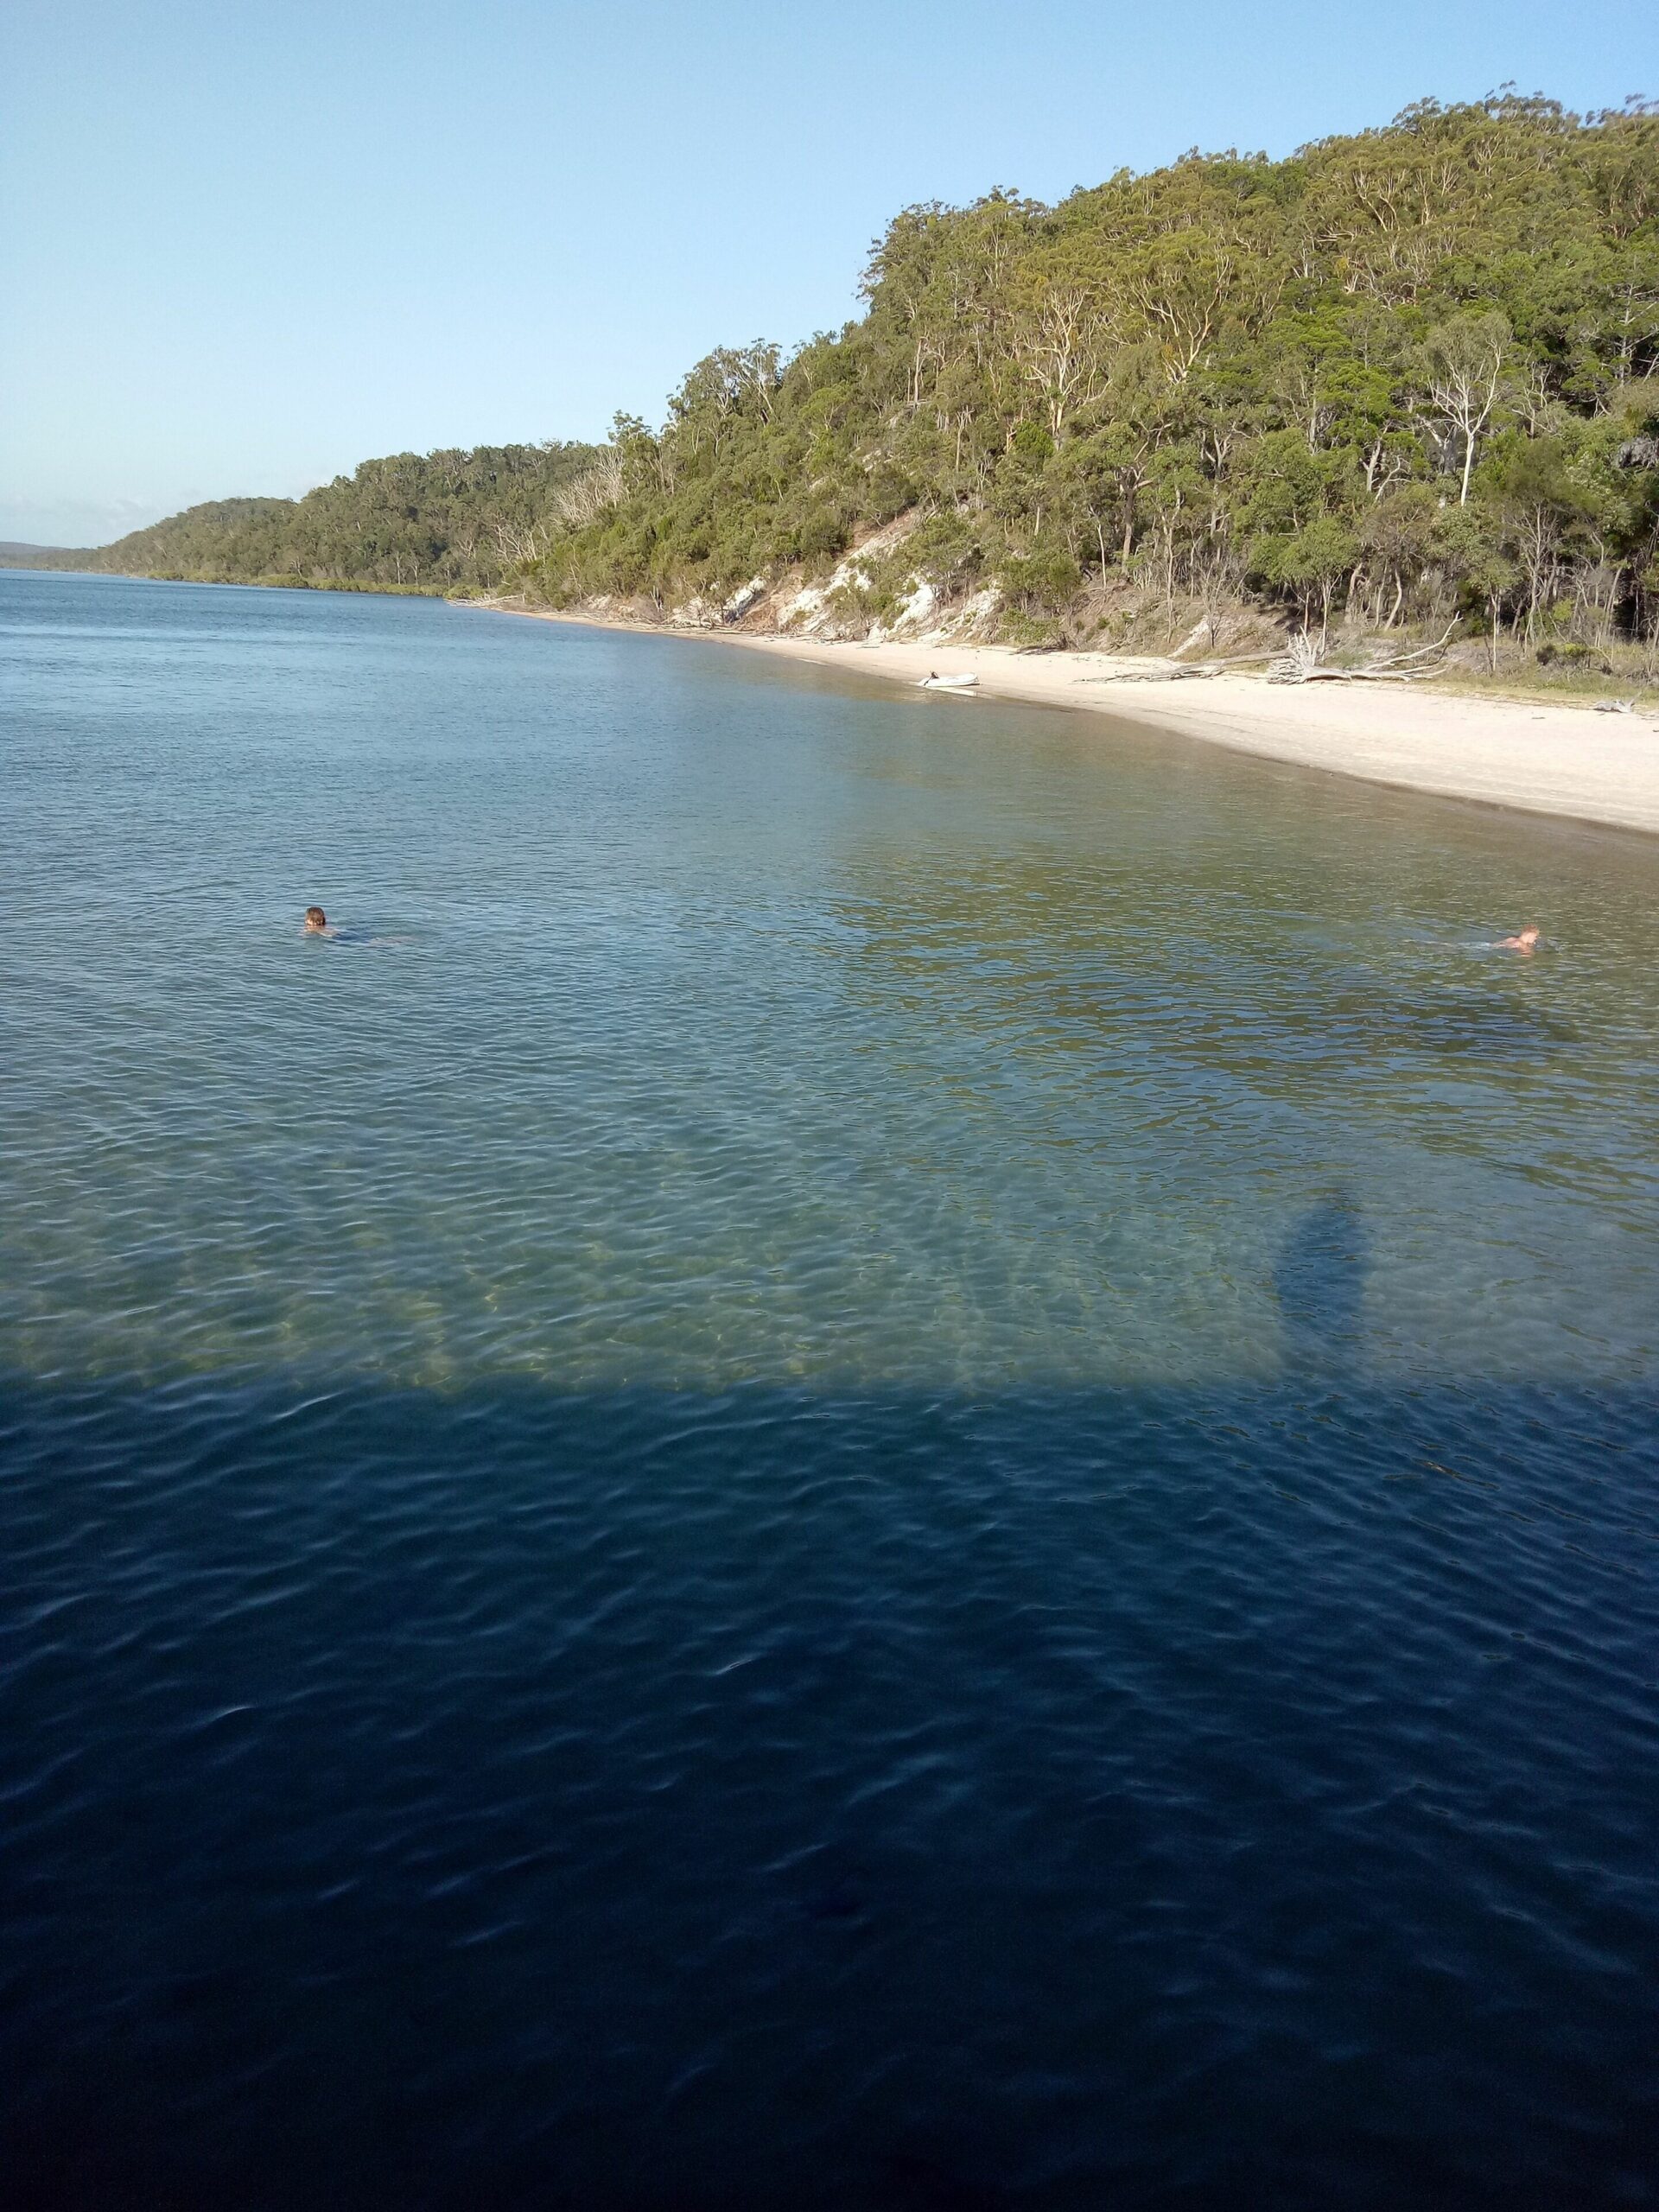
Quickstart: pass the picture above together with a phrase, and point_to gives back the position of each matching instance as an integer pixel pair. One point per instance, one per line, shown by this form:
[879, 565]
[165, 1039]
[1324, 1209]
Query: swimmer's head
[315, 918]
[1526, 939]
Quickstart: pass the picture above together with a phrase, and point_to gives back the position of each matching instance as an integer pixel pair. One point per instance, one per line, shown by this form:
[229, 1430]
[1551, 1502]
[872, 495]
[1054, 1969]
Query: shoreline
[1575, 763]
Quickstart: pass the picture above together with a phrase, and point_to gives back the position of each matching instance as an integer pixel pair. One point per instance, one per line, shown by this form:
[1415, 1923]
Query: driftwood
[1173, 672]
[1151, 676]
[1303, 662]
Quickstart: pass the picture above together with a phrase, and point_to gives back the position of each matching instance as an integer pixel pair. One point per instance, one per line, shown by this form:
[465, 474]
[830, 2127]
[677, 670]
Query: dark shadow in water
[1348, 1030]
[1476, 1024]
[778, 1798]
[1319, 1281]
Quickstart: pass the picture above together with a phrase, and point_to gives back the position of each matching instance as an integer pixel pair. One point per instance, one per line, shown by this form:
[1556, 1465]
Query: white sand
[1548, 759]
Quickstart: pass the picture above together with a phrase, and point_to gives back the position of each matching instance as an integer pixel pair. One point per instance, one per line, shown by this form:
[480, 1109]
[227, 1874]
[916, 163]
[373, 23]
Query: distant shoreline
[361, 590]
[1571, 762]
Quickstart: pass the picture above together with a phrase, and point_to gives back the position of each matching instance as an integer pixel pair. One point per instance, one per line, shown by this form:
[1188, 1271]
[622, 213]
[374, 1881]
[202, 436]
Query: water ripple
[852, 1469]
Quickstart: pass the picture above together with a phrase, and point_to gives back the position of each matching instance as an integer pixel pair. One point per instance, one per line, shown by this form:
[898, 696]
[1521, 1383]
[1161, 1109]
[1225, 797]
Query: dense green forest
[1401, 380]
[1405, 377]
[432, 521]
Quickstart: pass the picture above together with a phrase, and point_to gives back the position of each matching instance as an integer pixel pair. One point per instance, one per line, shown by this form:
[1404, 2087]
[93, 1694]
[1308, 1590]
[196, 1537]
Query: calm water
[888, 1455]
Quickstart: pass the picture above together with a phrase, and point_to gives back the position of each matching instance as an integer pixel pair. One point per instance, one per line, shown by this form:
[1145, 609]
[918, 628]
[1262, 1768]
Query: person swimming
[317, 924]
[1523, 941]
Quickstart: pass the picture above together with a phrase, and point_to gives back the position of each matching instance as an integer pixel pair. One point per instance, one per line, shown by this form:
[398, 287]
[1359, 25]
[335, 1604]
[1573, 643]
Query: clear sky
[245, 244]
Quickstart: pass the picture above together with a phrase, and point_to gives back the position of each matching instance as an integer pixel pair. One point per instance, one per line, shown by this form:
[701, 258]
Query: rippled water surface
[885, 1455]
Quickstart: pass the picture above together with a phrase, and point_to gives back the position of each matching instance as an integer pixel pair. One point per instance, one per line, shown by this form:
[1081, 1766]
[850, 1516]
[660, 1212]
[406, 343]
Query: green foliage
[1033, 443]
[1232, 368]
[1402, 376]
[1310, 563]
[1042, 582]
[411, 522]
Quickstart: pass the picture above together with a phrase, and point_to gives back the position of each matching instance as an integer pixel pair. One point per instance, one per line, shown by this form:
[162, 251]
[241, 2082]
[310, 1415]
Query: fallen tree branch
[1172, 671]
[1151, 676]
[1354, 675]
[1303, 662]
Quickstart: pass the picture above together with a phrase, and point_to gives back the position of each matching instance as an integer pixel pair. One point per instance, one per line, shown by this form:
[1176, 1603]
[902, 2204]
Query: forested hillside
[16, 555]
[432, 522]
[1408, 377]
[1401, 376]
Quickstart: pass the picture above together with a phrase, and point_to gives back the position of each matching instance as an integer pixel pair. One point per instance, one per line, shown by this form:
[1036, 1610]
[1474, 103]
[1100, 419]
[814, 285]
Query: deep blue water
[885, 1455]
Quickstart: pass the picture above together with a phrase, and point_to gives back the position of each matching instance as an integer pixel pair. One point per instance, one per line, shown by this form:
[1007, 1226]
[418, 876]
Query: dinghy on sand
[931, 683]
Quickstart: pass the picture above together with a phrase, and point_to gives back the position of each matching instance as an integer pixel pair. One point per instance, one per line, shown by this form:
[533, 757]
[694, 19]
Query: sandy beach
[1568, 760]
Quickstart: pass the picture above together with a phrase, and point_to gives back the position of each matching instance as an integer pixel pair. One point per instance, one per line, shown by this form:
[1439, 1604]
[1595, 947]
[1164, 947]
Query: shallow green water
[696, 1021]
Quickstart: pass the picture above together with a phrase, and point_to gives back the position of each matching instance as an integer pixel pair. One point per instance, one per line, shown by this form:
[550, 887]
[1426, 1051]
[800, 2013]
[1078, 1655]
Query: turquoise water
[883, 1454]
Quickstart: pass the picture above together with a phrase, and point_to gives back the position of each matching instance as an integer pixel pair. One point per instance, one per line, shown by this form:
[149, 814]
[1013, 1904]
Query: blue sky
[245, 246]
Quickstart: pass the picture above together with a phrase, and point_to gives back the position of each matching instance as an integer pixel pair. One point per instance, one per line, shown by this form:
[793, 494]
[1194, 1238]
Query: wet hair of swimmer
[315, 918]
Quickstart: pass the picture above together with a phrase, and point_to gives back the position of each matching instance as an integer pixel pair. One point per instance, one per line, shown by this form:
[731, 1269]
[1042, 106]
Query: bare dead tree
[1059, 348]
[593, 493]
[520, 544]
[1463, 365]
[1303, 662]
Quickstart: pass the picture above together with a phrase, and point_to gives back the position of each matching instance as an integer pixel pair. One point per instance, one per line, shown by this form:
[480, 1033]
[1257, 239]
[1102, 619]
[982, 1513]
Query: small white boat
[948, 683]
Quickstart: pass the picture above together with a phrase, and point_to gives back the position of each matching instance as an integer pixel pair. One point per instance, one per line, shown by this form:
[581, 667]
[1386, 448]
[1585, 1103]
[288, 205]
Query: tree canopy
[1379, 374]
[431, 521]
